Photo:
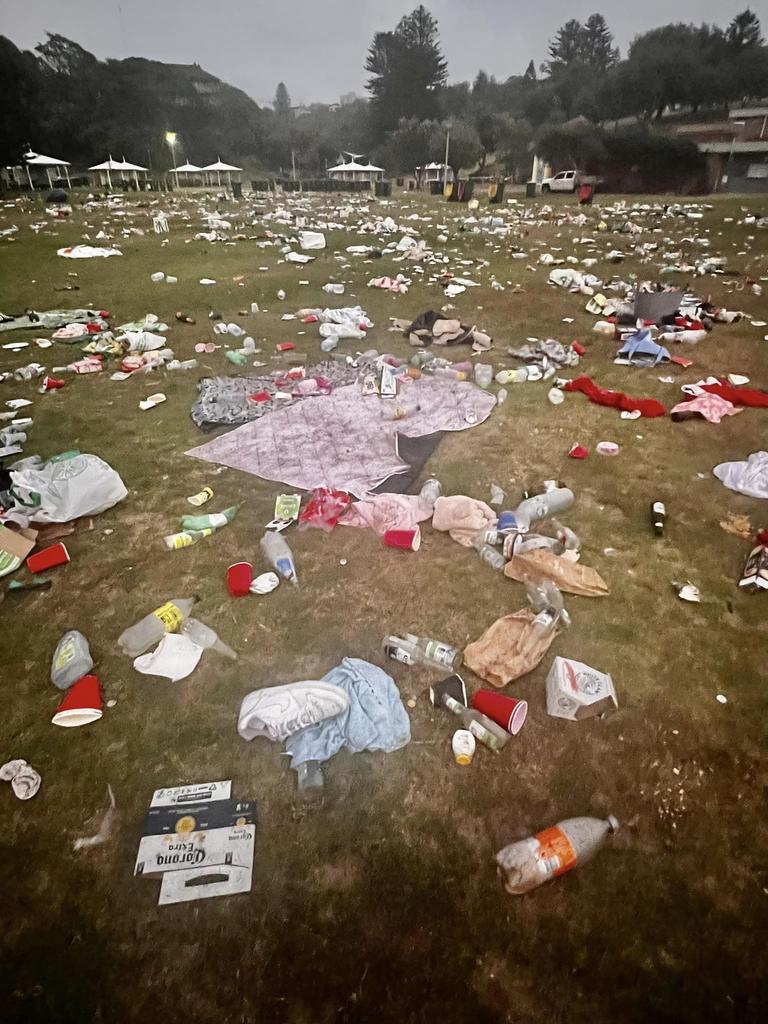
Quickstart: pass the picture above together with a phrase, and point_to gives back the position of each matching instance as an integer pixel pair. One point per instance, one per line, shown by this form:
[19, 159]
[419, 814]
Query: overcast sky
[318, 46]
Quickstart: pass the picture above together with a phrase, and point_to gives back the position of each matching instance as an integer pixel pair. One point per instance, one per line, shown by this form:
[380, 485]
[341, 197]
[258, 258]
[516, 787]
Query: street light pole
[447, 149]
[170, 138]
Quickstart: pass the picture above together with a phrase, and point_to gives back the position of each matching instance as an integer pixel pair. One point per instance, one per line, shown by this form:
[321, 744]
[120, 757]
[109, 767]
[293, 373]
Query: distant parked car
[565, 181]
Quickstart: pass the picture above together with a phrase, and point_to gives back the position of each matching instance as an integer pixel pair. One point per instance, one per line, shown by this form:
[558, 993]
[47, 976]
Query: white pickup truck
[565, 181]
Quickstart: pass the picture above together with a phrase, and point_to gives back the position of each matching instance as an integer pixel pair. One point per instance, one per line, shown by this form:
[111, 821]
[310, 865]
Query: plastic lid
[613, 822]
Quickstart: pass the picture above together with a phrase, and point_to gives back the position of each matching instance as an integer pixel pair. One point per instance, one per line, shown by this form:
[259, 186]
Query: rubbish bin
[435, 188]
[237, 189]
[383, 189]
[530, 190]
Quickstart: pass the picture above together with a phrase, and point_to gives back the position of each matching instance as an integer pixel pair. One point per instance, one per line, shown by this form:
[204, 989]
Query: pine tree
[566, 48]
[744, 31]
[282, 102]
[597, 47]
[530, 72]
[407, 70]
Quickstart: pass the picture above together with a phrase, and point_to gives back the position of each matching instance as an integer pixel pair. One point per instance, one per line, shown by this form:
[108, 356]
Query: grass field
[383, 903]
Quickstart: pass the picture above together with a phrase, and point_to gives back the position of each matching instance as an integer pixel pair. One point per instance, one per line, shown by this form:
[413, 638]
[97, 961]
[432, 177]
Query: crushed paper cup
[635, 414]
[556, 396]
[578, 451]
[265, 583]
[737, 379]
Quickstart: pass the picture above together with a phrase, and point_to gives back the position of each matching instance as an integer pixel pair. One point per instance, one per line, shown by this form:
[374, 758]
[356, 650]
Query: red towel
[738, 396]
[616, 399]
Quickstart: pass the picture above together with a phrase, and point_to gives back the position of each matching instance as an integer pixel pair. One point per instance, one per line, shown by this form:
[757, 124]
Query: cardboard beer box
[177, 837]
[185, 886]
[200, 792]
[576, 691]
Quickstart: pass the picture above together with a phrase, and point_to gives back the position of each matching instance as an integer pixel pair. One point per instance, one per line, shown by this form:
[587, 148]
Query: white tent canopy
[354, 171]
[220, 166]
[117, 165]
[38, 160]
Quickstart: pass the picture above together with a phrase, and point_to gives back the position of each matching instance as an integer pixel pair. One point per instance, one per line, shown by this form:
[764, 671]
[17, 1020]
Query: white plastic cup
[157, 276]
[463, 744]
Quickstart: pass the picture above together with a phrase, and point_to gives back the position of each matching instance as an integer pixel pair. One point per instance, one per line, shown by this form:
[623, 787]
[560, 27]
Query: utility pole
[447, 148]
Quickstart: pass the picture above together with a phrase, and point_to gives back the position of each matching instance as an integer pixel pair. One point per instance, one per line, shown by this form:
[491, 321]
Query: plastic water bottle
[483, 374]
[531, 862]
[279, 555]
[152, 628]
[542, 506]
[431, 490]
[71, 660]
[204, 636]
[420, 650]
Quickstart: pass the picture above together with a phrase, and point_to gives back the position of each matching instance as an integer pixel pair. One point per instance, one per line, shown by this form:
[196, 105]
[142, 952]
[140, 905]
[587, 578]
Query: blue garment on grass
[375, 719]
[642, 349]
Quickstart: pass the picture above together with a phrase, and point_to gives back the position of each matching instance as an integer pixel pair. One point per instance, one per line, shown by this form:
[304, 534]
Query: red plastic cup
[578, 348]
[578, 452]
[81, 705]
[407, 540]
[48, 558]
[508, 712]
[52, 383]
[239, 579]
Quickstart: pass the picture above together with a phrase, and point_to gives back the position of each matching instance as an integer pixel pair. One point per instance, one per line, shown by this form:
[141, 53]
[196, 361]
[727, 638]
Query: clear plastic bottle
[204, 636]
[71, 659]
[310, 780]
[543, 506]
[529, 863]
[279, 555]
[488, 554]
[152, 628]
[431, 490]
[420, 650]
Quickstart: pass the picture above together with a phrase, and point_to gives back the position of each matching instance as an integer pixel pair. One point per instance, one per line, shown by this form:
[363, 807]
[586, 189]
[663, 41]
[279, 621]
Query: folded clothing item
[462, 517]
[374, 720]
[382, 512]
[649, 407]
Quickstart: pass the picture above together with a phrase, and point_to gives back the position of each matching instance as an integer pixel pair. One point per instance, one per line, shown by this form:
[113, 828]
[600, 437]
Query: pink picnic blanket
[341, 440]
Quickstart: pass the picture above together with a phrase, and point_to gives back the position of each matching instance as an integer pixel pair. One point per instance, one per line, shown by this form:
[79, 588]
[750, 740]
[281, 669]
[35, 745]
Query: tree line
[64, 100]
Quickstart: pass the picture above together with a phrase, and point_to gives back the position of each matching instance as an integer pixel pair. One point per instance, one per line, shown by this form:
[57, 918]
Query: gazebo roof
[38, 160]
[117, 165]
[221, 166]
[354, 166]
[108, 165]
[190, 168]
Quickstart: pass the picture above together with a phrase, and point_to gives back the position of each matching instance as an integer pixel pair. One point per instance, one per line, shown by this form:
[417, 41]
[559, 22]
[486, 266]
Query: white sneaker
[279, 711]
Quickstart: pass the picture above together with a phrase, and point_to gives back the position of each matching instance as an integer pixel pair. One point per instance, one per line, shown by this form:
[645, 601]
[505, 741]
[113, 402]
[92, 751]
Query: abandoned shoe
[279, 711]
